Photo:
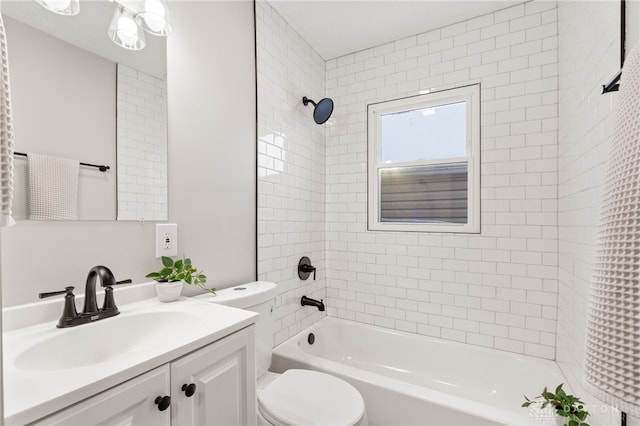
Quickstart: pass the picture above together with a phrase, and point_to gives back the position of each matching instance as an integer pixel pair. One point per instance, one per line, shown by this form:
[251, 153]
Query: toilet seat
[308, 398]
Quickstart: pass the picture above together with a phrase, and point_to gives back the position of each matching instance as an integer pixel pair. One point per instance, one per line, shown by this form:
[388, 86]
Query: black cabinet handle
[163, 402]
[189, 390]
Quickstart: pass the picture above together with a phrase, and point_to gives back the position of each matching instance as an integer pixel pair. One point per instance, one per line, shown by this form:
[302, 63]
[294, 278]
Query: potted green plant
[170, 277]
[569, 409]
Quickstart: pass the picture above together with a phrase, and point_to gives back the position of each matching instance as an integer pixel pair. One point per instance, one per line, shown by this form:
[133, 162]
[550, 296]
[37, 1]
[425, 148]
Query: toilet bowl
[302, 397]
[295, 397]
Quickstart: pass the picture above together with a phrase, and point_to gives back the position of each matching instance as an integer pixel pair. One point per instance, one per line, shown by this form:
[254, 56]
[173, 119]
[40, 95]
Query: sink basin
[102, 341]
[49, 368]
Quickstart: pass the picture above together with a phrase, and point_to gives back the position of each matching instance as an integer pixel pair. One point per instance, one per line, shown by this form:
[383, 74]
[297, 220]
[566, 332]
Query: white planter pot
[547, 417]
[555, 421]
[168, 292]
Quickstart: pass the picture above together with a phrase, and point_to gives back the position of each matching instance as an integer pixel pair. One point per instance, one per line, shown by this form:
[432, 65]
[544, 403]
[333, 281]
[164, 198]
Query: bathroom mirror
[79, 96]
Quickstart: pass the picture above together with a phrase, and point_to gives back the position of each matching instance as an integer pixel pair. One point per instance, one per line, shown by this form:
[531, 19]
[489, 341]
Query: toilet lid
[307, 398]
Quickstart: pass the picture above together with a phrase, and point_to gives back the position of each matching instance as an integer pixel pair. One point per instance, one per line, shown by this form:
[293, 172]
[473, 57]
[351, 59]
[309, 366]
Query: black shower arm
[306, 101]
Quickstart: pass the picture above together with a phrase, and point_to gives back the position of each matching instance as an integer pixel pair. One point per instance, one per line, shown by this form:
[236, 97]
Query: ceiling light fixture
[154, 18]
[124, 31]
[61, 7]
[127, 25]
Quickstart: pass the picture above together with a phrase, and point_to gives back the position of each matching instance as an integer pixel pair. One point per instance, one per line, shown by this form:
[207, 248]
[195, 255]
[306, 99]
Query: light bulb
[155, 15]
[62, 7]
[124, 30]
[127, 30]
[58, 5]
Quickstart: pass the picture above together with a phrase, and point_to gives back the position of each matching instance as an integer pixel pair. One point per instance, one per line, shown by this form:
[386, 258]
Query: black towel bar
[101, 167]
[613, 85]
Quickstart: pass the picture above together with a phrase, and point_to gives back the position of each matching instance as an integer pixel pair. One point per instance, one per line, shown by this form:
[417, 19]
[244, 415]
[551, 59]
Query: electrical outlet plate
[166, 239]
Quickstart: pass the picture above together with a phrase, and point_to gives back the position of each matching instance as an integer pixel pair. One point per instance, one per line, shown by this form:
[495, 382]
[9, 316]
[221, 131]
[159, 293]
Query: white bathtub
[407, 379]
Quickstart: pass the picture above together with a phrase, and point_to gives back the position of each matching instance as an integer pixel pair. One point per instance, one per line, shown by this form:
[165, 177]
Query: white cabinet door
[131, 403]
[225, 383]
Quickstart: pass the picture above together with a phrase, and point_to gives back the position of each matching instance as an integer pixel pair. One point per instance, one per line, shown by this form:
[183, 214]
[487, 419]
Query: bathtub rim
[290, 348]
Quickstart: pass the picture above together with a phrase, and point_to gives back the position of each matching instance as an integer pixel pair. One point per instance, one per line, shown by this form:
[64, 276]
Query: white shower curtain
[613, 328]
[6, 136]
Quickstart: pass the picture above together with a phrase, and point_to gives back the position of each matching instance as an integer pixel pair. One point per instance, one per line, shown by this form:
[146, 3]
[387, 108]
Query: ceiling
[338, 27]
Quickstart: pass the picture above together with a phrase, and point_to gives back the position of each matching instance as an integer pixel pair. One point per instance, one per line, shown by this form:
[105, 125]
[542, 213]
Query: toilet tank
[257, 296]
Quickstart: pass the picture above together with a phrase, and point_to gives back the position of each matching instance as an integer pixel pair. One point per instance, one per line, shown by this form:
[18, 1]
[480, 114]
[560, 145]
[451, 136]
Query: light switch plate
[166, 239]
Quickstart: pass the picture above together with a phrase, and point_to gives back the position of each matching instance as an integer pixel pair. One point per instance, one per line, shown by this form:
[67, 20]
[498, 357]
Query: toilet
[295, 397]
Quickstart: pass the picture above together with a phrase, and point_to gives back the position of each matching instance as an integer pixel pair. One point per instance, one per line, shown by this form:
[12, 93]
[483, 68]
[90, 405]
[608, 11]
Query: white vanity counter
[47, 369]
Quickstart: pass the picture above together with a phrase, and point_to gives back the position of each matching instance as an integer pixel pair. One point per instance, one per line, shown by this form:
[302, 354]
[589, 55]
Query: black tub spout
[307, 301]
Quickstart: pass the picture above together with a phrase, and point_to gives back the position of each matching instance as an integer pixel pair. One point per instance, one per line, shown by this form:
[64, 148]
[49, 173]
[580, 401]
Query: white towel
[6, 136]
[53, 187]
[613, 325]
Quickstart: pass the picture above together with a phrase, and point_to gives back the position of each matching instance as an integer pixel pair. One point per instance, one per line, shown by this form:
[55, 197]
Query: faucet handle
[312, 268]
[109, 302]
[308, 269]
[69, 312]
[67, 291]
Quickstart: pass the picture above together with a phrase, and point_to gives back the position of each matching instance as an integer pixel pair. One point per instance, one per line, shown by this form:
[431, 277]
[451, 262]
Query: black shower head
[322, 110]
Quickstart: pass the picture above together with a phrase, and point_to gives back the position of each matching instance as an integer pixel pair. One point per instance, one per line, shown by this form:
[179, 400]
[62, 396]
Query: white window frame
[468, 94]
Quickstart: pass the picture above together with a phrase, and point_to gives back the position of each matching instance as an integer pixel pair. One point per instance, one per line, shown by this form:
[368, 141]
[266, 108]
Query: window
[424, 162]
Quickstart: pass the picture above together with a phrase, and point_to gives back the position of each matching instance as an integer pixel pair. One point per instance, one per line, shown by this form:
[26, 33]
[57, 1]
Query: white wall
[70, 93]
[1, 360]
[142, 145]
[589, 46]
[211, 88]
[212, 137]
[291, 169]
[497, 289]
[1, 363]
[632, 24]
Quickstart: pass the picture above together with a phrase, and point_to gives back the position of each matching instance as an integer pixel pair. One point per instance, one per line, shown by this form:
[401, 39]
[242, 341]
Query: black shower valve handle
[309, 269]
[305, 268]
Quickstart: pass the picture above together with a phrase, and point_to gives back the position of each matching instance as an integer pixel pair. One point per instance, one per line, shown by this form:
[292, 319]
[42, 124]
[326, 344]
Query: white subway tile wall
[142, 145]
[497, 289]
[589, 40]
[291, 169]
[522, 285]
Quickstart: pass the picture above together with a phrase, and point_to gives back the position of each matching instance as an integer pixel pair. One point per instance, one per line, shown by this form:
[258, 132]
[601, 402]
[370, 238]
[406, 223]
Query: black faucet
[307, 301]
[90, 312]
[106, 280]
